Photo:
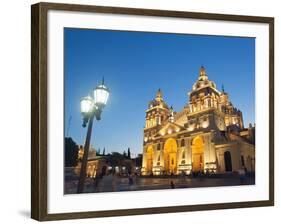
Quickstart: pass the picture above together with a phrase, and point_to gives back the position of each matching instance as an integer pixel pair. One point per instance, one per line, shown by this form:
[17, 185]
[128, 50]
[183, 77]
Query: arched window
[182, 143]
[158, 146]
[183, 155]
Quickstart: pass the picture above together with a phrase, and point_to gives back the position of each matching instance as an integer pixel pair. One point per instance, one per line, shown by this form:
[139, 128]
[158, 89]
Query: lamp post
[91, 107]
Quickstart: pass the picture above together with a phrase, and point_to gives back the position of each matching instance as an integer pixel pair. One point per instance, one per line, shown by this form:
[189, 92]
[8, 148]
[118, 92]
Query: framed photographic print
[140, 111]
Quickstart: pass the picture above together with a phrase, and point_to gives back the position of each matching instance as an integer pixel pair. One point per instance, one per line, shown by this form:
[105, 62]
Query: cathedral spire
[159, 95]
[202, 73]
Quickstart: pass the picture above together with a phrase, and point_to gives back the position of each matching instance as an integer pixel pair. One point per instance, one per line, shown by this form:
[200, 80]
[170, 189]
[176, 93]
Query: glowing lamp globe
[86, 105]
[101, 94]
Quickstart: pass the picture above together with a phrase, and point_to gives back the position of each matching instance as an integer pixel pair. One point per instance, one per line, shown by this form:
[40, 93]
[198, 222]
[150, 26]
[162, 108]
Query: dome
[203, 80]
[158, 101]
[200, 84]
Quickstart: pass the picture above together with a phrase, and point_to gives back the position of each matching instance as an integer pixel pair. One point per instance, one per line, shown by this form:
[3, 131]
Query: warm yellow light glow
[191, 127]
[197, 154]
[170, 155]
[205, 124]
[149, 158]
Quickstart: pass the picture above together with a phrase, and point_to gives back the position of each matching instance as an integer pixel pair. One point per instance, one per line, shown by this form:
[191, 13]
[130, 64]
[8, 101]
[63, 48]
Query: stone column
[209, 151]
[143, 169]
[206, 151]
[188, 152]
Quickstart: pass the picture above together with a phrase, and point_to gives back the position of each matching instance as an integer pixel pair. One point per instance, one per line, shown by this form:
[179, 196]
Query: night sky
[135, 64]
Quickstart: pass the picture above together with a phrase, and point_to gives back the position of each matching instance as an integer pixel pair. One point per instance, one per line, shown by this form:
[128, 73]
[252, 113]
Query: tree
[115, 159]
[129, 153]
[139, 160]
[125, 154]
[103, 152]
[71, 150]
[98, 152]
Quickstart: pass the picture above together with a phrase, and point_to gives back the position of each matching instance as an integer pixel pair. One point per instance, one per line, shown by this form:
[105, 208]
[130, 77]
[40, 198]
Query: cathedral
[208, 135]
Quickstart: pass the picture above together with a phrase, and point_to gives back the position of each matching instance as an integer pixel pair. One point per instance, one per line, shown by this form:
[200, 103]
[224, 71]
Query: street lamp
[87, 105]
[91, 107]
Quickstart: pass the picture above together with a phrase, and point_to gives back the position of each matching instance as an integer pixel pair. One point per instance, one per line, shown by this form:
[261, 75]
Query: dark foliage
[70, 152]
[115, 159]
[129, 153]
[139, 160]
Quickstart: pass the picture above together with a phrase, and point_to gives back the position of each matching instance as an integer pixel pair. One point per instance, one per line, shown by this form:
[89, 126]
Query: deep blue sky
[136, 64]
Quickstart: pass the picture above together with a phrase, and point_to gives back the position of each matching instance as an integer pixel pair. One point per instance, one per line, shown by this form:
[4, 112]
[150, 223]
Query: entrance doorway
[197, 154]
[227, 161]
[170, 156]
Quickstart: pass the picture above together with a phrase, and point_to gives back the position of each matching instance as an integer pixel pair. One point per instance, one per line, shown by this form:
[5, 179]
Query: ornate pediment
[169, 128]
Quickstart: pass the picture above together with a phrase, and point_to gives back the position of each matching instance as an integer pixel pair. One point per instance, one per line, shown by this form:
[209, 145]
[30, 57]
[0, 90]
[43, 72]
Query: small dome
[200, 84]
[203, 80]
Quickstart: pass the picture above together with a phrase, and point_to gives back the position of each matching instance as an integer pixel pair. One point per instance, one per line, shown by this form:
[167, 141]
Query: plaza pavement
[112, 183]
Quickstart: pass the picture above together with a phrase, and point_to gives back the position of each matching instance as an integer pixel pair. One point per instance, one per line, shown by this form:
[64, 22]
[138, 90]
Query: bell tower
[157, 113]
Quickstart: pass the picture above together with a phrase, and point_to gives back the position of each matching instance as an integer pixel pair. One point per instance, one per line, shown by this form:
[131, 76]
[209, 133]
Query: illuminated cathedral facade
[208, 135]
